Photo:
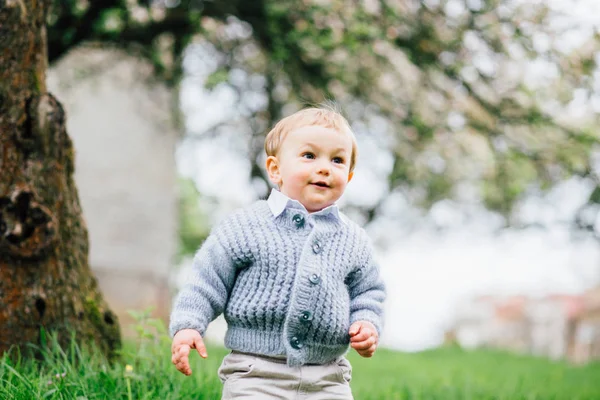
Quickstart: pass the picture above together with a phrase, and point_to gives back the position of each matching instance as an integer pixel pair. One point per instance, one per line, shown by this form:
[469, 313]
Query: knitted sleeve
[367, 291]
[204, 297]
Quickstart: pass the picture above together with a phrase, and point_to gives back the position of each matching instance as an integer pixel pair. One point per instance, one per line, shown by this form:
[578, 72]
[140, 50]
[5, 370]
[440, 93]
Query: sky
[428, 272]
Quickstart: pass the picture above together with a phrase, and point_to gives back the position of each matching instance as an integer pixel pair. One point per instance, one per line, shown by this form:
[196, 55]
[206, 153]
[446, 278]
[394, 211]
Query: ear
[350, 175]
[273, 170]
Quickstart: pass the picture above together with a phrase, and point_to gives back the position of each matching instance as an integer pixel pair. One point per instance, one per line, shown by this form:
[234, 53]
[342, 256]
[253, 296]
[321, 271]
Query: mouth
[320, 184]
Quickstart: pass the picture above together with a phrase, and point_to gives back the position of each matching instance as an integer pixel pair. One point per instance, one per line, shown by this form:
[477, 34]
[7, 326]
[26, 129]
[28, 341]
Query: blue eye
[338, 160]
[310, 156]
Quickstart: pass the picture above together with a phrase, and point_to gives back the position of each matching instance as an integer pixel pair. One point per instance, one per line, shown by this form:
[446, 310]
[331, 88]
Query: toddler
[294, 277]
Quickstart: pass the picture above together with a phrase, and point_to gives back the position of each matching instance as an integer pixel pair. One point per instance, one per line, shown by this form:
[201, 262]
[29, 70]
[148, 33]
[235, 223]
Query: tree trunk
[46, 284]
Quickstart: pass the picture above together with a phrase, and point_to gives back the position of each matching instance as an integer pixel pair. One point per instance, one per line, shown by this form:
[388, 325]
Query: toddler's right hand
[183, 341]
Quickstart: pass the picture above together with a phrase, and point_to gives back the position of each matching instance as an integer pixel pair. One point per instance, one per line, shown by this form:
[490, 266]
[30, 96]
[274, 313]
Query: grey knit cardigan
[289, 285]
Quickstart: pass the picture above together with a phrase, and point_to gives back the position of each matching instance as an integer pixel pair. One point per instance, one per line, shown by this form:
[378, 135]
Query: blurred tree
[469, 95]
[46, 284]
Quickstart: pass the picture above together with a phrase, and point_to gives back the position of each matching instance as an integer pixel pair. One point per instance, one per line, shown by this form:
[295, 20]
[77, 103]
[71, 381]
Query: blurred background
[478, 175]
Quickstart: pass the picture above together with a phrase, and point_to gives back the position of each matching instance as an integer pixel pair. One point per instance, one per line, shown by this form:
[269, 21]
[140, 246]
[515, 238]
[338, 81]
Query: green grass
[448, 373]
[451, 373]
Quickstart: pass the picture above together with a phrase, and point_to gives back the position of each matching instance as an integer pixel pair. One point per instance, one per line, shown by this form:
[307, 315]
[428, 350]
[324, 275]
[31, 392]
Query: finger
[184, 360]
[363, 335]
[183, 366]
[355, 328]
[368, 352]
[360, 346]
[184, 369]
[199, 344]
[365, 344]
[175, 358]
[184, 350]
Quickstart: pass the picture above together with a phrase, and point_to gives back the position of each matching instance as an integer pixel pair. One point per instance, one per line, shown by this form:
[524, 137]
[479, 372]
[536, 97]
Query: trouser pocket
[236, 365]
[344, 370]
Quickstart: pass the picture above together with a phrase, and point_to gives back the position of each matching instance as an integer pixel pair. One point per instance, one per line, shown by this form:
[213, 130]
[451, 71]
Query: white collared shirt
[278, 202]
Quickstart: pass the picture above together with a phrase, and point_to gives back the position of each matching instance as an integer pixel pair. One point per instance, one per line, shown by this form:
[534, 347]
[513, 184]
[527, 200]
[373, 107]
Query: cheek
[300, 174]
[342, 179]
[295, 178]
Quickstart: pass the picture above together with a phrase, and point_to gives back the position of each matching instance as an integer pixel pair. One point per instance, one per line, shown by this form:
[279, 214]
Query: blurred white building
[556, 326]
[125, 172]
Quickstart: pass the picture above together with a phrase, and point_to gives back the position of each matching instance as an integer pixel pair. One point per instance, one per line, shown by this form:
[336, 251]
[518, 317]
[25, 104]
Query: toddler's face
[312, 166]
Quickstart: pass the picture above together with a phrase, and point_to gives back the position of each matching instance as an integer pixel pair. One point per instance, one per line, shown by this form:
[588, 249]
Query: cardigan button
[298, 220]
[316, 247]
[306, 316]
[314, 279]
[296, 343]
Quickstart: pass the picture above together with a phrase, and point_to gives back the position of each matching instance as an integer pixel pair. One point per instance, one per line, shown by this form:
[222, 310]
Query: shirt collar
[278, 202]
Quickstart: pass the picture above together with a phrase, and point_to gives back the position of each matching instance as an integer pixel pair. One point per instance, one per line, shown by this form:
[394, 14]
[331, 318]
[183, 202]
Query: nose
[324, 168]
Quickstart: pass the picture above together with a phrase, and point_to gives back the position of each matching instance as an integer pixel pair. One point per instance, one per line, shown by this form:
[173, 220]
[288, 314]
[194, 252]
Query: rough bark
[46, 284]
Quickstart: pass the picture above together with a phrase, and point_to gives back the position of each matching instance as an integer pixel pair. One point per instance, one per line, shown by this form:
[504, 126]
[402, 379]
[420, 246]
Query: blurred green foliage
[194, 225]
[483, 85]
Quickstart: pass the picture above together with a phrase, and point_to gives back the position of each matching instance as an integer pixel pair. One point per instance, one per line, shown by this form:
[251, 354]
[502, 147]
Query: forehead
[316, 134]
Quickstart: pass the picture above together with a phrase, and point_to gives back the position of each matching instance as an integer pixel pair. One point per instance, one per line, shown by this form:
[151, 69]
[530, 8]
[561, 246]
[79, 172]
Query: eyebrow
[338, 149]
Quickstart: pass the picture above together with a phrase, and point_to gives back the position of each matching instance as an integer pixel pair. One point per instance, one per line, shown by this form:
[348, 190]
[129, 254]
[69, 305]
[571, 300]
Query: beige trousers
[249, 376]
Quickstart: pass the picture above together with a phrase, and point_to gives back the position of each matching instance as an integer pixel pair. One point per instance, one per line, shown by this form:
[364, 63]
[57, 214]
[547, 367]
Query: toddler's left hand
[363, 338]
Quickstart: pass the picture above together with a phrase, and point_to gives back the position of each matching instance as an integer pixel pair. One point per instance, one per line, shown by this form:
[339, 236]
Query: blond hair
[324, 117]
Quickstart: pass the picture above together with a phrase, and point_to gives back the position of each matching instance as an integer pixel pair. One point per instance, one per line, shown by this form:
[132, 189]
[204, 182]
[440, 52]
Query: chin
[317, 204]
[320, 207]
[314, 208]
